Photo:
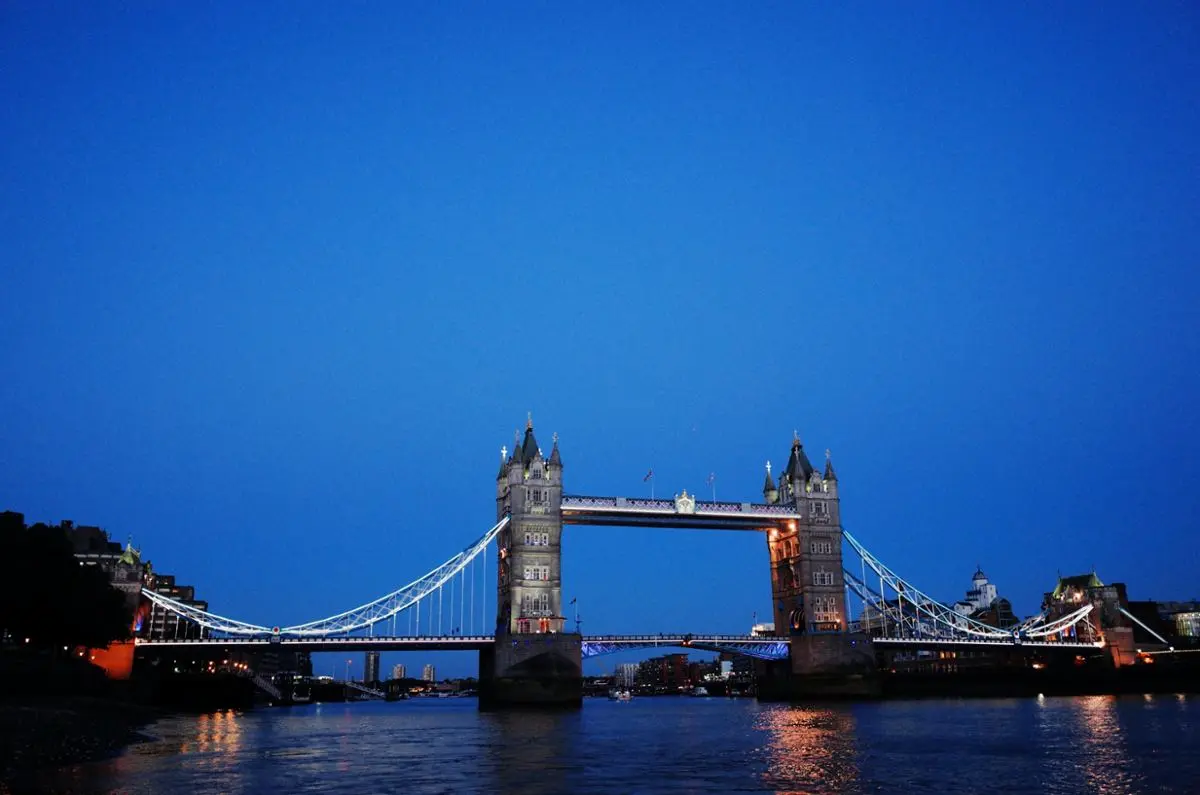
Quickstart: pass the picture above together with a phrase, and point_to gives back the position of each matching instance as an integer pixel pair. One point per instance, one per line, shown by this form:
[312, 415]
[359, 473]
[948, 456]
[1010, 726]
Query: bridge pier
[823, 666]
[533, 670]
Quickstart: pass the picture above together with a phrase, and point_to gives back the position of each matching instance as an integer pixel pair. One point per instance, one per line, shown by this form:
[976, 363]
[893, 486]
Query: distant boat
[620, 695]
[699, 691]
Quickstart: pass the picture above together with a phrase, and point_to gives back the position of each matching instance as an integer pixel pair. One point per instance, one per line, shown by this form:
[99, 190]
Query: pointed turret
[829, 473]
[799, 467]
[770, 493]
[529, 447]
[555, 458]
[503, 463]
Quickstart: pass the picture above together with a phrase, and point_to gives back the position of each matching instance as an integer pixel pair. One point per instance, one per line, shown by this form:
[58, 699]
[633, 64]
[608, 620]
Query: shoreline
[44, 734]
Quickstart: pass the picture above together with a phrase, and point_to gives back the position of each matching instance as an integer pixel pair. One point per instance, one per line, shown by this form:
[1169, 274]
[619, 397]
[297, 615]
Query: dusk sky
[279, 279]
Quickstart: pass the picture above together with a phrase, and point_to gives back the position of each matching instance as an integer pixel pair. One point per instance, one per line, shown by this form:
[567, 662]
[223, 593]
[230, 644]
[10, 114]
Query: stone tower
[533, 661]
[807, 589]
[529, 583]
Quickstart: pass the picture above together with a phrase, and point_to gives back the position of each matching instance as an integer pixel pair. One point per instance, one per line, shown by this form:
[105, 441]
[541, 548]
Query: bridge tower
[808, 591]
[535, 659]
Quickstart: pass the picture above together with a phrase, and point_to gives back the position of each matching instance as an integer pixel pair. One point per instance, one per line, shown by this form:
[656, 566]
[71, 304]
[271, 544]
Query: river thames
[678, 745]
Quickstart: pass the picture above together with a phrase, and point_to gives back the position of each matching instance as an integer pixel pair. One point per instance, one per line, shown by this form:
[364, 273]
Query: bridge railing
[634, 504]
[680, 636]
[370, 691]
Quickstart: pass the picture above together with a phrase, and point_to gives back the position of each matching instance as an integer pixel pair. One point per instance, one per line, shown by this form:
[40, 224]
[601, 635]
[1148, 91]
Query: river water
[669, 744]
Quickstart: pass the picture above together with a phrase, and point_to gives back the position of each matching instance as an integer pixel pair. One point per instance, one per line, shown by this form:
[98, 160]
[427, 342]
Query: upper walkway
[682, 511]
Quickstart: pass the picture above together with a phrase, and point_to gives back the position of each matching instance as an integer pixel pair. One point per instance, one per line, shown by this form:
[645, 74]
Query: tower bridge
[528, 653]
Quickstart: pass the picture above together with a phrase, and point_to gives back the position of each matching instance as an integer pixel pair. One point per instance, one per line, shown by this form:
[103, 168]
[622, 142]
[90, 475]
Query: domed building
[983, 603]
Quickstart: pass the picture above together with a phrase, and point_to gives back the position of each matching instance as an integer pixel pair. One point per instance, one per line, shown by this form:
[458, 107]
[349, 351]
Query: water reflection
[531, 752]
[1056, 746]
[1107, 770]
[215, 732]
[810, 749]
[1085, 748]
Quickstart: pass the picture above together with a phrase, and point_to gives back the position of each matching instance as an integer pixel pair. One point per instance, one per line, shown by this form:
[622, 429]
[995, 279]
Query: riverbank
[46, 733]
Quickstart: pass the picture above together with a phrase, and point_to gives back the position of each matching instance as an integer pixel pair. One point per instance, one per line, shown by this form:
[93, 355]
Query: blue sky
[278, 282]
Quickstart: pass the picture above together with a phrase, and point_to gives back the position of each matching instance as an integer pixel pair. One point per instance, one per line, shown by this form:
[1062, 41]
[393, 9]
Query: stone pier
[536, 670]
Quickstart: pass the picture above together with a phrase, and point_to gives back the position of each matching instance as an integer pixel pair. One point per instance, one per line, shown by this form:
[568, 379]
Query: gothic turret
[529, 447]
[799, 467]
[770, 493]
[555, 458]
[829, 473]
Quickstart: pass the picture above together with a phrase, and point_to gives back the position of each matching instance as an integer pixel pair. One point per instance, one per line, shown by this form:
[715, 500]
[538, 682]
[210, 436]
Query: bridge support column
[533, 670]
[823, 666]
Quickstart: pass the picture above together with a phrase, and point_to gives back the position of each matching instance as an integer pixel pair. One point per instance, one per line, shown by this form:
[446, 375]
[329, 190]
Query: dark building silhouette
[371, 668]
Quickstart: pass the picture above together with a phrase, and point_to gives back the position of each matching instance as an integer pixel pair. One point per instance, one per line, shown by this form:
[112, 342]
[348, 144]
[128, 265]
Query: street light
[348, 670]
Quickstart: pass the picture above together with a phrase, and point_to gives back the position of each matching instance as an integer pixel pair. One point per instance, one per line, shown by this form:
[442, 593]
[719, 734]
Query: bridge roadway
[753, 645]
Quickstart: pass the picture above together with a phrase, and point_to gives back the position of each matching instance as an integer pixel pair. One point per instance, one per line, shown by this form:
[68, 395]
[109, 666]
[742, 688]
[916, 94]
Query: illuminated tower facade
[529, 582]
[807, 589]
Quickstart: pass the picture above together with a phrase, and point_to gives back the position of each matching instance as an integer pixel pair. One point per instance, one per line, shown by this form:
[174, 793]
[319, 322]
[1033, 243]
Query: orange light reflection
[810, 749]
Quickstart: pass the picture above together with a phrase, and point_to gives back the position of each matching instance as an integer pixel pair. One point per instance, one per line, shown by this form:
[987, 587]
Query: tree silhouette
[52, 599]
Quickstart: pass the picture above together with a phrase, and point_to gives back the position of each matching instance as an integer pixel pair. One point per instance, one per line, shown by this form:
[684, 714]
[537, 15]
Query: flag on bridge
[576, 599]
[649, 476]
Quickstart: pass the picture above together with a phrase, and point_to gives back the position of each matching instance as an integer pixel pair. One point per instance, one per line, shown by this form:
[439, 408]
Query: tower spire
[770, 493]
[829, 473]
[798, 467]
[529, 447]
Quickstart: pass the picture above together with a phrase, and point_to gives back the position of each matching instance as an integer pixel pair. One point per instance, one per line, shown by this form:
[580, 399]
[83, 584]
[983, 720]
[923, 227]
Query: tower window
[822, 577]
[825, 609]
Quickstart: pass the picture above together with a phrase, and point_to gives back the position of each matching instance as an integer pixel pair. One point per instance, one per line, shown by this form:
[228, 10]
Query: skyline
[280, 281]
